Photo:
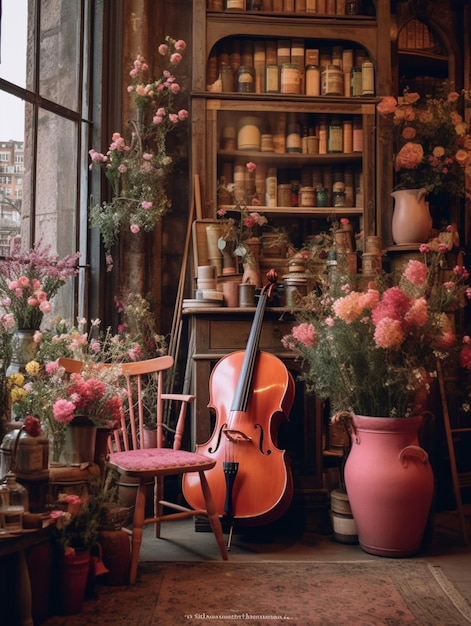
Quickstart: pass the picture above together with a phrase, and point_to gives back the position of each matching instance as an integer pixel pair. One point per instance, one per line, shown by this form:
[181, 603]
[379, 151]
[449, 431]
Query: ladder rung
[460, 430]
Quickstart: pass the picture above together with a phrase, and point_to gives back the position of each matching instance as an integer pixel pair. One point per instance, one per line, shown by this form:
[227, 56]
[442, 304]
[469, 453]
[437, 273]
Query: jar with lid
[332, 81]
[246, 79]
[290, 79]
[306, 197]
[13, 504]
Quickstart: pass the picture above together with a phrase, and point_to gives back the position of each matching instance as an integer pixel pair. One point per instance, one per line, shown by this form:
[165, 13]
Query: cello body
[251, 482]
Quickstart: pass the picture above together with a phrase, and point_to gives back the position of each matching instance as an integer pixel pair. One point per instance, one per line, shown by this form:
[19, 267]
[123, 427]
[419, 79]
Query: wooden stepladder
[460, 480]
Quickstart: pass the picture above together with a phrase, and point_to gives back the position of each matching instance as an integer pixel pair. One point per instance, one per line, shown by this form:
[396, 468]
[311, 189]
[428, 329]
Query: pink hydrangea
[415, 272]
[388, 333]
[305, 333]
[348, 308]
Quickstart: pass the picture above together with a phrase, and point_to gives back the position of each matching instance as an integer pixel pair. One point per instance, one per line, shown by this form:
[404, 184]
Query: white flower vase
[411, 221]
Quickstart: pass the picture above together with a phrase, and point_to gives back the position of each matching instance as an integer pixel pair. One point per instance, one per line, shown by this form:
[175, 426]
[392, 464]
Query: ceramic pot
[411, 221]
[74, 575]
[390, 484]
[23, 349]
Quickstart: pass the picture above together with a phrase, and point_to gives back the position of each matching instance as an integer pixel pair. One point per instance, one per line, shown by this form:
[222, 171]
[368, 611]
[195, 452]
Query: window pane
[12, 118]
[13, 42]
[56, 193]
[60, 52]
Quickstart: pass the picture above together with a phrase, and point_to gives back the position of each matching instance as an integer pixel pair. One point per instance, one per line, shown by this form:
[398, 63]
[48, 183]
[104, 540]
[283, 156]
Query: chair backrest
[130, 434]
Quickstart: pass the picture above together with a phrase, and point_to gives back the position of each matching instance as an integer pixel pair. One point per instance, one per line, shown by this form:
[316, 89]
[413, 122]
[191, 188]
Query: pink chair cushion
[158, 459]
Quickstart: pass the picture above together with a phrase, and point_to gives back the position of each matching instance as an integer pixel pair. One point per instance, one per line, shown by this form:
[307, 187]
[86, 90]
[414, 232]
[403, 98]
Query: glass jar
[322, 197]
[13, 504]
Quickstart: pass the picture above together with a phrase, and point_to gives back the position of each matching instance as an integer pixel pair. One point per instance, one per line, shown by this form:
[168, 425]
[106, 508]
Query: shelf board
[292, 158]
[288, 211]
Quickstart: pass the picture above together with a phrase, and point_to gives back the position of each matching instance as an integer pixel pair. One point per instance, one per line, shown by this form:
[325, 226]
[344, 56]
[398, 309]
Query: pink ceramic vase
[390, 484]
[411, 221]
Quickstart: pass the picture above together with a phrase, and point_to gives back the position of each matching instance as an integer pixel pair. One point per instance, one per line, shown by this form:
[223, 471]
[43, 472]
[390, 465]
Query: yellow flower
[32, 368]
[17, 394]
[16, 379]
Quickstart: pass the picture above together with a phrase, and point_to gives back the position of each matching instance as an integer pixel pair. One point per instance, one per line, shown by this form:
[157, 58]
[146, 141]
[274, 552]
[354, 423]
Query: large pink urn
[390, 484]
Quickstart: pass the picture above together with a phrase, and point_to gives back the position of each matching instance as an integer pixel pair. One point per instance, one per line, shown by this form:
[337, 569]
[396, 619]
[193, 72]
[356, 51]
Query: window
[44, 99]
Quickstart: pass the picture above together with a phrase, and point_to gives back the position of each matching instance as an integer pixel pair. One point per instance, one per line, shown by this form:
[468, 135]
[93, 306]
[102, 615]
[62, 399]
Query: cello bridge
[236, 436]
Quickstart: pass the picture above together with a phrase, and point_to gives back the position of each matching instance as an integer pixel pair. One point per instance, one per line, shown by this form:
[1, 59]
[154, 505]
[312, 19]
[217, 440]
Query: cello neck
[242, 392]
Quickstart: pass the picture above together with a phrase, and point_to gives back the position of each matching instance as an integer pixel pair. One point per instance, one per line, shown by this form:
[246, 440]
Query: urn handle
[413, 451]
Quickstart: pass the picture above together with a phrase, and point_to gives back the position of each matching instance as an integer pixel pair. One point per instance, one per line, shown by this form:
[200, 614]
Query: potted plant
[75, 524]
[373, 354]
[432, 155]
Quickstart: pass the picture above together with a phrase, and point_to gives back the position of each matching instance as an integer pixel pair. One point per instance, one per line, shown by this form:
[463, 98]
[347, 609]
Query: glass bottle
[13, 503]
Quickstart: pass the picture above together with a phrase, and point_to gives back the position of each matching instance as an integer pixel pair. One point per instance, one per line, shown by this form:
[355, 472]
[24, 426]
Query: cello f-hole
[260, 441]
[212, 450]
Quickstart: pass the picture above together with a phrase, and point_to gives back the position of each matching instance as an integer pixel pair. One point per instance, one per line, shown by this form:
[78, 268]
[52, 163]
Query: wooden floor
[444, 547]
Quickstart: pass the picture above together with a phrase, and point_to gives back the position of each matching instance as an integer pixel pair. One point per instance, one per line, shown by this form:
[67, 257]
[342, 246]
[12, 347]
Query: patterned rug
[355, 593]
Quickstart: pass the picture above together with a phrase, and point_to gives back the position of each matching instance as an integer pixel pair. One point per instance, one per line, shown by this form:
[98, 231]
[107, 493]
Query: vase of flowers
[70, 407]
[28, 283]
[431, 150]
[373, 353]
[138, 168]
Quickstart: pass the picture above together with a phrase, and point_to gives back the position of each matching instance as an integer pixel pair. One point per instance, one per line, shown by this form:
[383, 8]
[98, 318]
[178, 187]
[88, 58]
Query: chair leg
[213, 517]
[137, 528]
[158, 496]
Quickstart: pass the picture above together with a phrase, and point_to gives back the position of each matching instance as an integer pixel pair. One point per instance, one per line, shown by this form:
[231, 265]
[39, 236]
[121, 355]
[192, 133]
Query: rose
[409, 156]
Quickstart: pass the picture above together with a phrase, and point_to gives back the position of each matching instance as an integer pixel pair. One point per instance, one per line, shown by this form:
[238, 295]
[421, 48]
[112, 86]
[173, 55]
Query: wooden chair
[129, 457]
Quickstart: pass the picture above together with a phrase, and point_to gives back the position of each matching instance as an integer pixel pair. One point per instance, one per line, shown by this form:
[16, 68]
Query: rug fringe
[460, 603]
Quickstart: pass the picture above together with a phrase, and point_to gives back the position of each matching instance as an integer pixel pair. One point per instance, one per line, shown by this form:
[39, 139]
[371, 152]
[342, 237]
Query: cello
[251, 392]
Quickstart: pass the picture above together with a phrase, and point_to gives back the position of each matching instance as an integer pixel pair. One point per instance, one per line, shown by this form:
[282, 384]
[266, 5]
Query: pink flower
[145, 204]
[135, 228]
[465, 356]
[45, 306]
[417, 315]
[388, 333]
[409, 156]
[349, 307]
[51, 367]
[415, 272]
[387, 105]
[425, 248]
[163, 49]
[305, 333]
[251, 167]
[63, 411]
[394, 304]
[175, 58]
[180, 45]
